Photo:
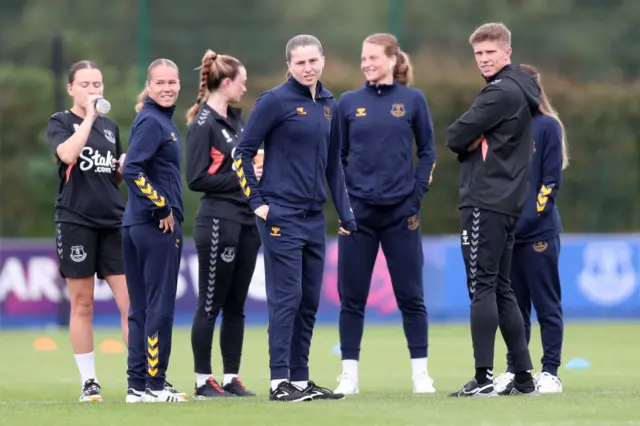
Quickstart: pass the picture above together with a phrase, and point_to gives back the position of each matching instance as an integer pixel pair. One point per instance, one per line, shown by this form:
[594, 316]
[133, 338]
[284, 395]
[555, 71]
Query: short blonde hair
[492, 32]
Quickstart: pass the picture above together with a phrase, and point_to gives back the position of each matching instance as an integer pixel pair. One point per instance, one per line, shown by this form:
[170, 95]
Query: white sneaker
[422, 383]
[347, 385]
[168, 394]
[134, 396]
[548, 383]
[502, 381]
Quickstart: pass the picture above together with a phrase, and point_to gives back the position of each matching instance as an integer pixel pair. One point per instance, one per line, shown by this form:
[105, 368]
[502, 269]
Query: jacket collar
[150, 103]
[232, 112]
[381, 89]
[497, 75]
[298, 87]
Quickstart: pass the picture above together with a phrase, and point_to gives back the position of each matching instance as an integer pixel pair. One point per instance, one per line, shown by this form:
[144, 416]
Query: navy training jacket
[301, 136]
[152, 167]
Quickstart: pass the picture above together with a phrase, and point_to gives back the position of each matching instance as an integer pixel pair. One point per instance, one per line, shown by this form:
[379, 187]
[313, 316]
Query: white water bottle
[102, 106]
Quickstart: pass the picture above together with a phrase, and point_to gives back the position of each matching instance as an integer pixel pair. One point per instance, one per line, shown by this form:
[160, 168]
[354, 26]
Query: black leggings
[227, 254]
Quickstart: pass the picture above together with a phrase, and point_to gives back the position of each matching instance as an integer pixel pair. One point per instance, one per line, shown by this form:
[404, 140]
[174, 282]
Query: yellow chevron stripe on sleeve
[148, 190]
[546, 190]
[160, 203]
[542, 199]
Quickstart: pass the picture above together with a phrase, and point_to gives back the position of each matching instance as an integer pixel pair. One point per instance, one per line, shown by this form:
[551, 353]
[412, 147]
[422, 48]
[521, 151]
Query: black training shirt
[211, 140]
[88, 191]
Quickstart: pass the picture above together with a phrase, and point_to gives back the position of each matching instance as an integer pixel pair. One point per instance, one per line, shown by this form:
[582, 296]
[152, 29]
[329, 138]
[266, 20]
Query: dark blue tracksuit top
[152, 167]
[302, 148]
[379, 123]
[540, 219]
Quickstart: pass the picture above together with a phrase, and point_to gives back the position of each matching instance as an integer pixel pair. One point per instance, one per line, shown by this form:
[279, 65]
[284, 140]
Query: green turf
[38, 388]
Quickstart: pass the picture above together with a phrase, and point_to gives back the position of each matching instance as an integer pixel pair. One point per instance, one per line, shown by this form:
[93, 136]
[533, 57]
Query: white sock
[201, 379]
[87, 366]
[301, 384]
[275, 383]
[228, 378]
[350, 367]
[419, 366]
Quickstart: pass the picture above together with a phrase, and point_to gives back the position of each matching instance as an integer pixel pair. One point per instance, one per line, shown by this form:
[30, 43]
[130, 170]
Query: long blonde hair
[547, 109]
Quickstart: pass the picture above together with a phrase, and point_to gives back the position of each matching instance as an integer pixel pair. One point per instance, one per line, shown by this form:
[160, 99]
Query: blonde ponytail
[403, 71]
[141, 98]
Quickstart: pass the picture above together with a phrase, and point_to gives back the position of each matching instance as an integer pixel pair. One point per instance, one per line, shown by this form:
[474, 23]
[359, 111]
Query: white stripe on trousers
[213, 259]
[473, 255]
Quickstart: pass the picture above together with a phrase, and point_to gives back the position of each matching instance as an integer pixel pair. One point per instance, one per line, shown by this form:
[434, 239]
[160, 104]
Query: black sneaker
[90, 391]
[237, 388]
[475, 390]
[211, 389]
[527, 388]
[317, 392]
[288, 393]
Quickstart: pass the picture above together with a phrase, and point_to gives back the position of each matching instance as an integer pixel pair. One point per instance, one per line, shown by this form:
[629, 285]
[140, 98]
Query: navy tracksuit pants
[397, 230]
[535, 279]
[293, 242]
[151, 264]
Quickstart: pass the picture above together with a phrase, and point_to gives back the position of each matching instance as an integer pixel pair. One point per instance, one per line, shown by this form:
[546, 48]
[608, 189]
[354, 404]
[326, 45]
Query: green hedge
[599, 193]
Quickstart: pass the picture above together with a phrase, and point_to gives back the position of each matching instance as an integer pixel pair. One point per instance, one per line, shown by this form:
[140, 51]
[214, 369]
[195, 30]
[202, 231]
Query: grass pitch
[42, 387]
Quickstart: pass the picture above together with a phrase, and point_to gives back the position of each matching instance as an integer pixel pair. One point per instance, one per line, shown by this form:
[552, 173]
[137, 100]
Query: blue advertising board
[599, 275]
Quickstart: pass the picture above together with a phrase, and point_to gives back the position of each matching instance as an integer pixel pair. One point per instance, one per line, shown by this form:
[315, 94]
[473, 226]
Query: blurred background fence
[588, 51]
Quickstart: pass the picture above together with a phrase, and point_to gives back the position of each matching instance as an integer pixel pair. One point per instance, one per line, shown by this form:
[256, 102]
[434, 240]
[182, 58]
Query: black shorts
[84, 252]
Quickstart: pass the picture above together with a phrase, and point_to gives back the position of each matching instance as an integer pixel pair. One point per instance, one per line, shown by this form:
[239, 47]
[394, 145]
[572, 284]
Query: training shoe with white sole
[318, 392]
[514, 388]
[548, 383]
[422, 383]
[287, 392]
[502, 381]
[90, 391]
[168, 394]
[134, 396]
[473, 389]
[347, 385]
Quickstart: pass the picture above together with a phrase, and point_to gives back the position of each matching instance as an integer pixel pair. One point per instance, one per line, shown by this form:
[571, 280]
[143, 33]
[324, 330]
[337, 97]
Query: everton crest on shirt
[88, 190]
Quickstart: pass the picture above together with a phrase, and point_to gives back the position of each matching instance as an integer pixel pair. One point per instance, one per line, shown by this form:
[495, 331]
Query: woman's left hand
[257, 170]
[343, 231]
[120, 163]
